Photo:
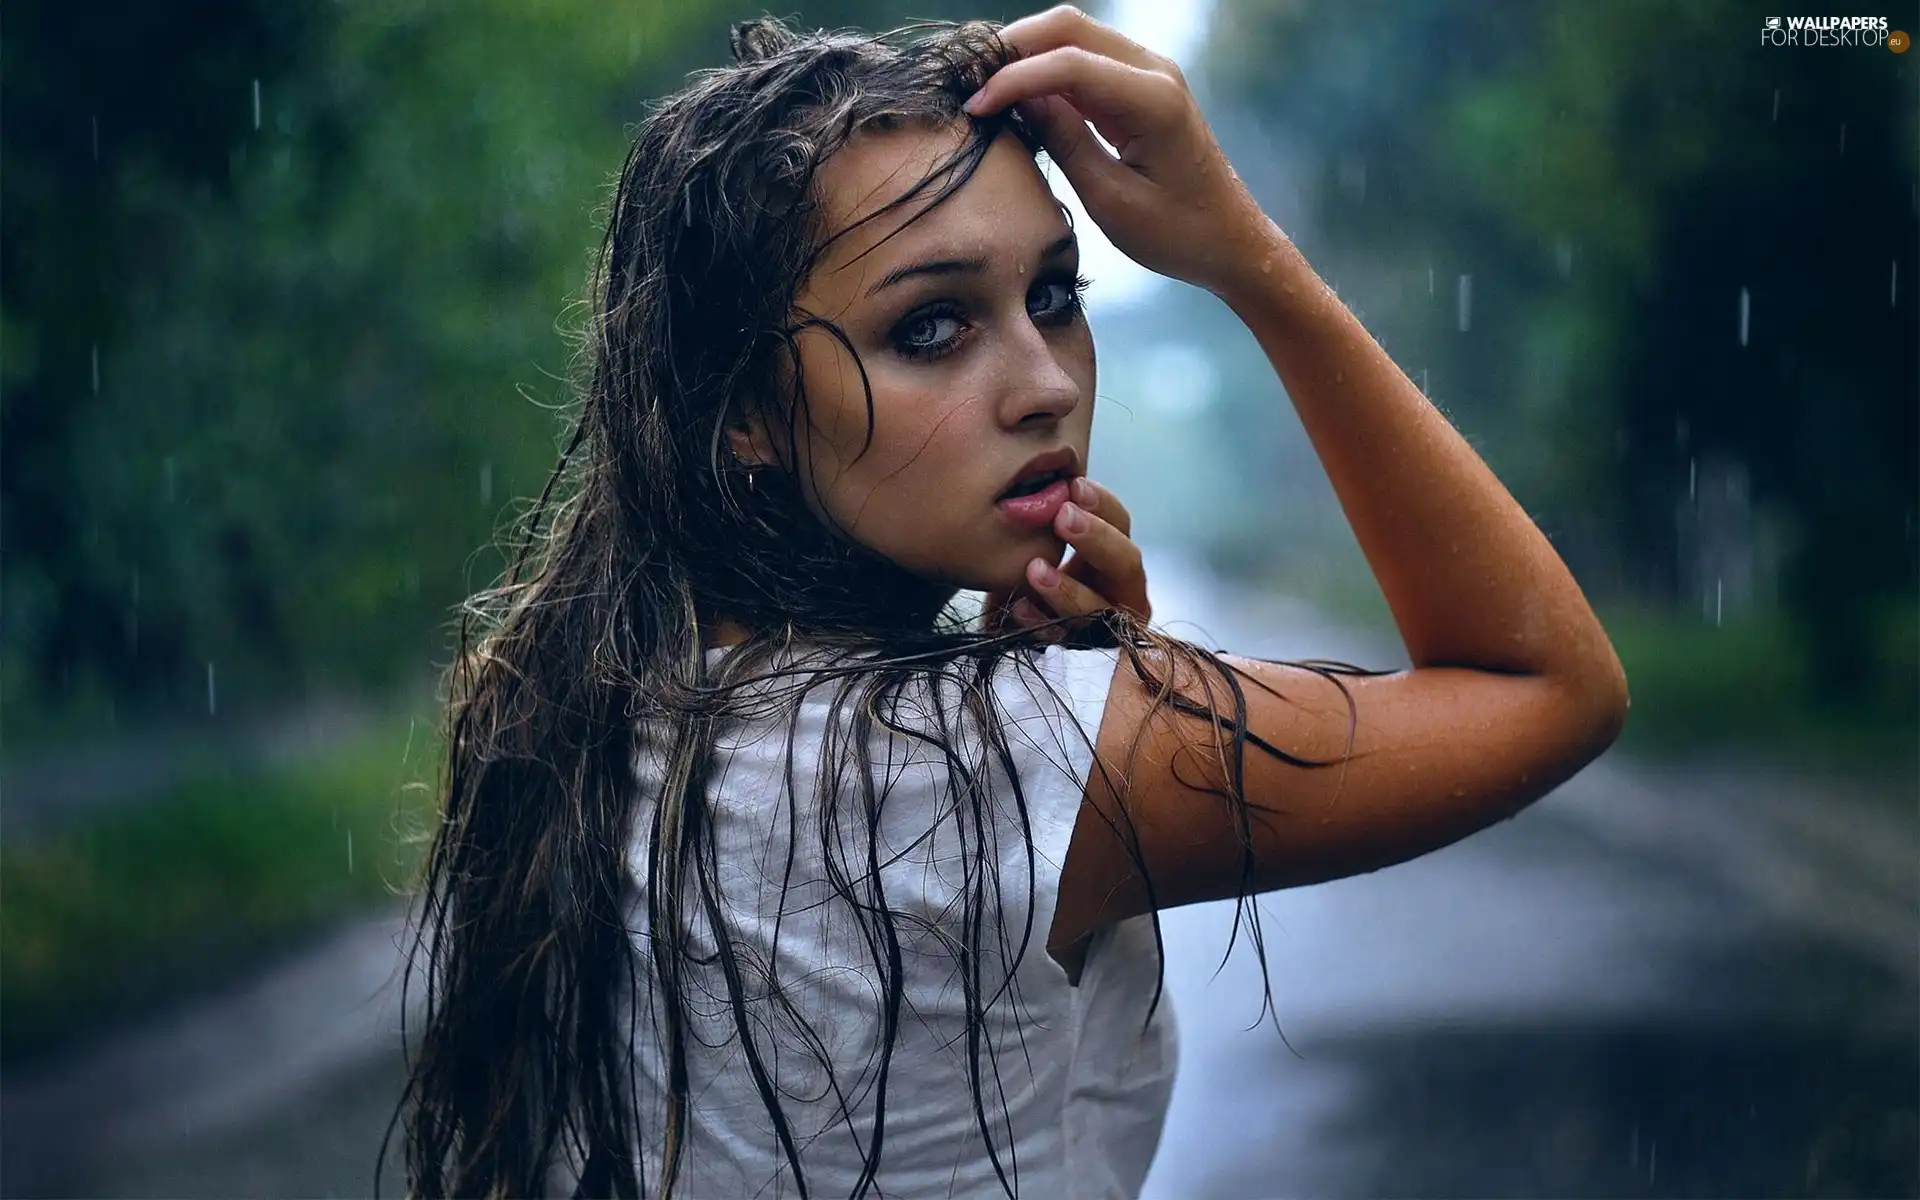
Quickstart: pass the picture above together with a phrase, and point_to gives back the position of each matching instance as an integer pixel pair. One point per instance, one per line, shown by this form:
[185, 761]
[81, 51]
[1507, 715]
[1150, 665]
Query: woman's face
[974, 347]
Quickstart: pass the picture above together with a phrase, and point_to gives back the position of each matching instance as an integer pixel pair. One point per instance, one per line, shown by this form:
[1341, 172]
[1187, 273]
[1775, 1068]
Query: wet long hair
[648, 525]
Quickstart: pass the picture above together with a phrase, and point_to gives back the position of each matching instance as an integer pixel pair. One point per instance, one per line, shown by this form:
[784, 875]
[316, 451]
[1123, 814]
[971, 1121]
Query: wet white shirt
[1075, 1080]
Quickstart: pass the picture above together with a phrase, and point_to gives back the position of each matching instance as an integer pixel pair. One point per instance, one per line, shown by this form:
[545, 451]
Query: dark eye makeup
[911, 337]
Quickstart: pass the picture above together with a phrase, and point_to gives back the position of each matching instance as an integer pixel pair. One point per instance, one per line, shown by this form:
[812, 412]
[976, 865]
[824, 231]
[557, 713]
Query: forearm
[1470, 580]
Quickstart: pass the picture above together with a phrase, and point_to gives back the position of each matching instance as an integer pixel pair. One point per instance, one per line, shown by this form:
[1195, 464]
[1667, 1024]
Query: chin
[1039, 544]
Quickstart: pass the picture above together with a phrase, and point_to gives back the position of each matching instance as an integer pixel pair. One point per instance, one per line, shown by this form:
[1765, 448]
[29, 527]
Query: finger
[1123, 102]
[1105, 559]
[1065, 25]
[1067, 596]
[1026, 613]
[1099, 500]
[1089, 166]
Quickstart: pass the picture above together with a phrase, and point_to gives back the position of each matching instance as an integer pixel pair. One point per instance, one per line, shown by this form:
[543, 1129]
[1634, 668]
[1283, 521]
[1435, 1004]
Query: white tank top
[1075, 1081]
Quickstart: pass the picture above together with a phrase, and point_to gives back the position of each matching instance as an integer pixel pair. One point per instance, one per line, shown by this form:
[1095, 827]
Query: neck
[722, 632]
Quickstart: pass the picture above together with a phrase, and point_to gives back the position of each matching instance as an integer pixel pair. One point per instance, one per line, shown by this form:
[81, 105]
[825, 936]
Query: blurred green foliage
[1730, 688]
[283, 314]
[285, 290]
[161, 900]
[1615, 240]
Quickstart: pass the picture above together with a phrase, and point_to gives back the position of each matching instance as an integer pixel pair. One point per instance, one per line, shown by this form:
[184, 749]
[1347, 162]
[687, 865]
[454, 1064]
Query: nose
[1040, 389]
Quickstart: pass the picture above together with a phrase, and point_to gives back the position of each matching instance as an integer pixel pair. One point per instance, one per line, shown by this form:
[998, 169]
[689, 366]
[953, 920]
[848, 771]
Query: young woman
[760, 872]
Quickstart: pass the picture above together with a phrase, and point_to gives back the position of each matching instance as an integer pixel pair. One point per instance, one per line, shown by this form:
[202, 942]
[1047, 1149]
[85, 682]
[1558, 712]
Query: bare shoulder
[1341, 774]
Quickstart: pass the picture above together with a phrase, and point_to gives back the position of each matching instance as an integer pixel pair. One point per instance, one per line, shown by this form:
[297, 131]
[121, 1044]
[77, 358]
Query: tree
[1679, 242]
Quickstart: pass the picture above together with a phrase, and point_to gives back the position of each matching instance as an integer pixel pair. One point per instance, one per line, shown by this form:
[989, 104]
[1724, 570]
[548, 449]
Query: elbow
[1606, 699]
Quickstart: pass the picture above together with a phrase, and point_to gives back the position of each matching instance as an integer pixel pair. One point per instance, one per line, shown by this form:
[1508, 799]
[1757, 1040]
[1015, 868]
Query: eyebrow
[962, 266]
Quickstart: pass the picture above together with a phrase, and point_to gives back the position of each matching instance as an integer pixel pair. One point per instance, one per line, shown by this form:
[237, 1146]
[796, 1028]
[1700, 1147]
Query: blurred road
[1653, 983]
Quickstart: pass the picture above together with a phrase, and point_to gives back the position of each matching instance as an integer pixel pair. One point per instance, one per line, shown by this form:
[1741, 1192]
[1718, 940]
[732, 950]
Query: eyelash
[1076, 304]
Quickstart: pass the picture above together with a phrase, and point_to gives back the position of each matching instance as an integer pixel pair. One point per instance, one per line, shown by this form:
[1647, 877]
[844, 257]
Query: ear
[747, 436]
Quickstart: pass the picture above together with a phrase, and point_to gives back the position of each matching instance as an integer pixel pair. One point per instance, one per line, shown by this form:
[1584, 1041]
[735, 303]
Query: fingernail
[973, 102]
[1082, 491]
[1043, 573]
[1073, 518]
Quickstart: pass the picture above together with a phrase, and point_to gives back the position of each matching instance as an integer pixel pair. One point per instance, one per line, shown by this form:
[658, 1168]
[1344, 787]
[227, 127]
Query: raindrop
[1563, 255]
[1719, 594]
[95, 121]
[1653, 1159]
[94, 353]
[349, 851]
[409, 747]
[1429, 279]
[256, 104]
[1423, 381]
[1463, 301]
[1745, 310]
[1692, 481]
[210, 691]
[486, 483]
[1893, 286]
[133, 617]
[1776, 104]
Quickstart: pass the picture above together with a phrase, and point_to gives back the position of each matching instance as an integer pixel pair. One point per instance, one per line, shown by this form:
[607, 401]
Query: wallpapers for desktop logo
[1832, 31]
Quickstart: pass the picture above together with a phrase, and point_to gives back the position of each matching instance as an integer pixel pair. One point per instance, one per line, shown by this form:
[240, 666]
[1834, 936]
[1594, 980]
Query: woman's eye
[1059, 293]
[930, 334]
[1068, 296]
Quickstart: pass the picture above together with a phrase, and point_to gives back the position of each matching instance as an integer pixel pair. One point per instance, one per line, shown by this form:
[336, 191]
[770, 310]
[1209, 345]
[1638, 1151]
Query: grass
[1743, 687]
[1747, 686]
[159, 901]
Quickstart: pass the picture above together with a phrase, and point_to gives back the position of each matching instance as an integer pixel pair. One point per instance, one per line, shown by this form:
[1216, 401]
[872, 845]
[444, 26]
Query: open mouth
[1032, 484]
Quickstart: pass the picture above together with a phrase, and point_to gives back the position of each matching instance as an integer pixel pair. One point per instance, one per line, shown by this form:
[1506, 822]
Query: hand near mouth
[1104, 570]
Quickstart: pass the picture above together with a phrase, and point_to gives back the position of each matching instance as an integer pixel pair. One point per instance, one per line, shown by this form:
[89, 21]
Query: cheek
[908, 496]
